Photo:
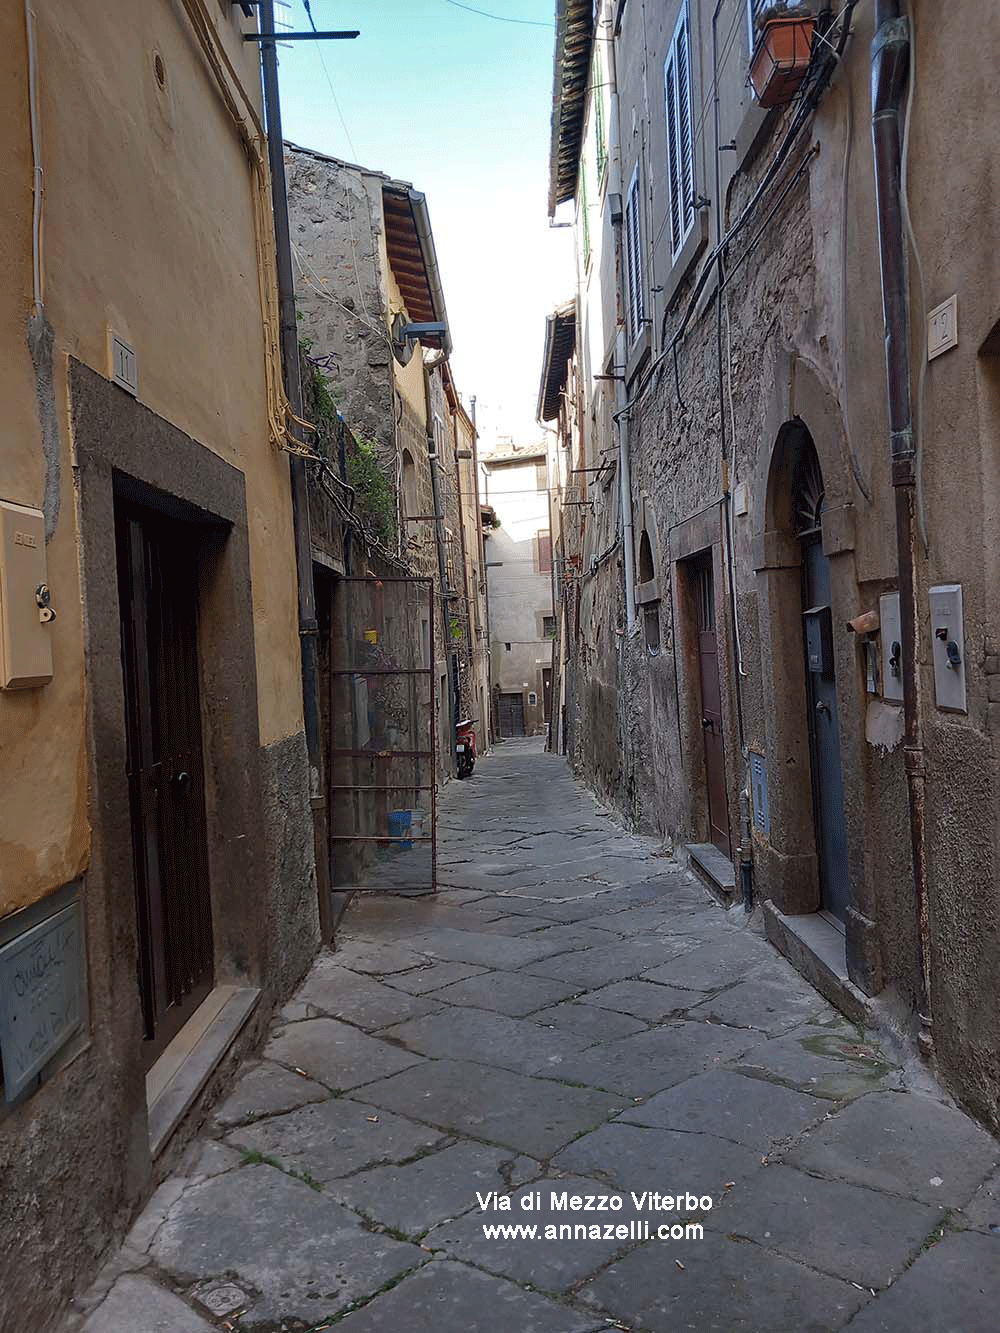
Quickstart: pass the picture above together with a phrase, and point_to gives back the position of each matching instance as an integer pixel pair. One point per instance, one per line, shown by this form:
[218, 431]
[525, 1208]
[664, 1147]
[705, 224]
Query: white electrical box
[25, 614]
[948, 647]
[124, 366]
[892, 650]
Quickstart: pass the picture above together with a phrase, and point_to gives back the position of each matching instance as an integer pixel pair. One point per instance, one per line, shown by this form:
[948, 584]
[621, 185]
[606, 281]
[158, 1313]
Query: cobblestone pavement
[573, 1015]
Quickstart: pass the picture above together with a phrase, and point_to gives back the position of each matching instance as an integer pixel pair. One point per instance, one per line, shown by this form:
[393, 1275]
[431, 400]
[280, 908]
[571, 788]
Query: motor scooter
[465, 747]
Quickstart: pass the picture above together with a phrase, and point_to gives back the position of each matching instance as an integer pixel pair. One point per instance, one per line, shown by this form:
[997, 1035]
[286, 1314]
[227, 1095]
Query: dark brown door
[547, 693]
[158, 582]
[711, 705]
[511, 715]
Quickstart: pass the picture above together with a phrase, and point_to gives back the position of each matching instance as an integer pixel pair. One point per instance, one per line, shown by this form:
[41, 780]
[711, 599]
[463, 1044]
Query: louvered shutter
[680, 143]
[633, 259]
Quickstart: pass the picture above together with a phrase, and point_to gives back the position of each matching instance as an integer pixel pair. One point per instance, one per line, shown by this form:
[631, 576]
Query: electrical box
[892, 651]
[819, 640]
[758, 785]
[948, 647]
[25, 614]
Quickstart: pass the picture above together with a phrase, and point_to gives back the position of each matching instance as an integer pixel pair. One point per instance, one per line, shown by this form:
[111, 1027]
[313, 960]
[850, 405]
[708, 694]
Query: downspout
[485, 583]
[432, 457]
[308, 627]
[890, 67]
[465, 554]
[615, 184]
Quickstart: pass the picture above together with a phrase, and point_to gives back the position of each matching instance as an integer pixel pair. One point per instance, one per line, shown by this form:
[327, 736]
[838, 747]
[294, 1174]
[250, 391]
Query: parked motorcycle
[465, 746]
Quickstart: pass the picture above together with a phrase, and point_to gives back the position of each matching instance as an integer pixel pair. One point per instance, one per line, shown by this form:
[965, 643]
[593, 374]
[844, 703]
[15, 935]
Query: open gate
[381, 735]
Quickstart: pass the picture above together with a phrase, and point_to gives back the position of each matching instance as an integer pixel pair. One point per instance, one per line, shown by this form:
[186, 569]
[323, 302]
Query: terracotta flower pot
[780, 59]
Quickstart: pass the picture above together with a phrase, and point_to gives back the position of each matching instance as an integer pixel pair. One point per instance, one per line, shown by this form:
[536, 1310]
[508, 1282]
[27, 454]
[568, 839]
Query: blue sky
[459, 104]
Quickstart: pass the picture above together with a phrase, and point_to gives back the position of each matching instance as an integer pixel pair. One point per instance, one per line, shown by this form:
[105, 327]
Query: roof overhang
[413, 259]
[574, 44]
[560, 343]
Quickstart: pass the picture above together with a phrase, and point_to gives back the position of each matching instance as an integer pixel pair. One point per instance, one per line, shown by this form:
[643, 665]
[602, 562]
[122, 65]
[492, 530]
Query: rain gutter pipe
[308, 626]
[890, 68]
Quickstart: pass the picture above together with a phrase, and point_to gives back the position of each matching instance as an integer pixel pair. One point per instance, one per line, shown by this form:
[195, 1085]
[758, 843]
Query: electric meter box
[819, 640]
[25, 644]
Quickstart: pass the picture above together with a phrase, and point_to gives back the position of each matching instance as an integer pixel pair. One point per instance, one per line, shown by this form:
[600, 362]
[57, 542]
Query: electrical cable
[38, 178]
[904, 195]
[500, 18]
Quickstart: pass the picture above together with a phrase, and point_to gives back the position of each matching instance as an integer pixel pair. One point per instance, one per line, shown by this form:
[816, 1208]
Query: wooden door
[511, 715]
[158, 581]
[711, 705]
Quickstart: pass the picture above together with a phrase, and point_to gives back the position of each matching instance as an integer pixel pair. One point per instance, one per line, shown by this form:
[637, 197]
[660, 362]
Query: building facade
[156, 852]
[515, 495]
[373, 316]
[782, 630]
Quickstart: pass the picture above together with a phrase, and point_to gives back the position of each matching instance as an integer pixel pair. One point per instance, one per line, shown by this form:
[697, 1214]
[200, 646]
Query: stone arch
[408, 490]
[805, 424]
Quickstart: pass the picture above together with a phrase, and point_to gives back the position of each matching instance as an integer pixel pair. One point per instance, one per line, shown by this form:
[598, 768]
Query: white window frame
[678, 109]
[634, 292]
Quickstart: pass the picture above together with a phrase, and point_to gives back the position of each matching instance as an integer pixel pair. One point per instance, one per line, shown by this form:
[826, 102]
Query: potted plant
[781, 52]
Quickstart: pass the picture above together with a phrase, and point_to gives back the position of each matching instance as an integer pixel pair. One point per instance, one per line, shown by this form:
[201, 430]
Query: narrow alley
[571, 1015]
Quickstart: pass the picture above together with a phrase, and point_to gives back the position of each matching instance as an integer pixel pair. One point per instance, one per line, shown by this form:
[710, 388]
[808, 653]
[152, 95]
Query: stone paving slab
[432, 976]
[589, 1021]
[534, 1116]
[983, 1210]
[730, 1106]
[589, 969]
[844, 1230]
[450, 1296]
[724, 1286]
[643, 999]
[709, 967]
[335, 1054]
[335, 991]
[647, 1062]
[905, 1144]
[298, 1253]
[488, 1038]
[266, 1089]
[554, 1265]
[439, 1186]
[638, 1157]
[334, 1138]
[492, 951]
[513, 993]
[135, 1304]
[768, 1004]
[952, 1288]
[829, 1060]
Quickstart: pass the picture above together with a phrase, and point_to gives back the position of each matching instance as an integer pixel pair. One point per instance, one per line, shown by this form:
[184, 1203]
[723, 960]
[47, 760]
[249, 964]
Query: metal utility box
[892, 652]
[948, 647]
[25, 645]
[819, 640]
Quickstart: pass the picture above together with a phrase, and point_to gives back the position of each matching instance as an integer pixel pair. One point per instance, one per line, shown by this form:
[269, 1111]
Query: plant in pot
[781, 51]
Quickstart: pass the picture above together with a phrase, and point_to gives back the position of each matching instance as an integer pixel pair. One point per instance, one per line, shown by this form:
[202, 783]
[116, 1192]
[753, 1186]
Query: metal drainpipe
[442, 560]
[308, 627]
[890, 66]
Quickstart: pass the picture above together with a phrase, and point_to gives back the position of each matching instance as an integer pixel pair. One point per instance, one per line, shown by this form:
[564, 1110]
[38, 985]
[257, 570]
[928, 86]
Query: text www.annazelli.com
[637, 1229]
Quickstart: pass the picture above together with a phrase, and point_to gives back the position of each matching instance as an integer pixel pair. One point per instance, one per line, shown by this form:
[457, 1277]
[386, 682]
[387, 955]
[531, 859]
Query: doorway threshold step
[714, 869]
[179, 1075]
[815, 948]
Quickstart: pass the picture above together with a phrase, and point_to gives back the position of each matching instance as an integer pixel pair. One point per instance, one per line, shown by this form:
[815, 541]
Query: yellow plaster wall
[148, 228]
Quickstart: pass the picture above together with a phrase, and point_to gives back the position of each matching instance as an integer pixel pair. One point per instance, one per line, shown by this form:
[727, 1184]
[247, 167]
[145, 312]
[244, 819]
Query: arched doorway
[807, 502]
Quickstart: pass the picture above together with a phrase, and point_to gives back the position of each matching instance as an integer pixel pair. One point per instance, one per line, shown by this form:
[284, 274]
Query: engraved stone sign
[40, 996]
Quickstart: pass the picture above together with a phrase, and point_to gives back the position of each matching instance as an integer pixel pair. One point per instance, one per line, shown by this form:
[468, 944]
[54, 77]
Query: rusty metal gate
[381, 720]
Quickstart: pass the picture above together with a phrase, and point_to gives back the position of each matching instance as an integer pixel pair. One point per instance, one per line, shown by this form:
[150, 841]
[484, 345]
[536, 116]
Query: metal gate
[511, 715]
[383, 809]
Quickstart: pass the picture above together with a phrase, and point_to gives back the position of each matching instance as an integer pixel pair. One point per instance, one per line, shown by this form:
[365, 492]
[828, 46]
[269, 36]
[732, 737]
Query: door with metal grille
[511, 715]
[158, 582]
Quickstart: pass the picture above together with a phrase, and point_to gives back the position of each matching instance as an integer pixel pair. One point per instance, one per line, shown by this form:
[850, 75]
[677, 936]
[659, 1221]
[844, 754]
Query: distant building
[520, 578]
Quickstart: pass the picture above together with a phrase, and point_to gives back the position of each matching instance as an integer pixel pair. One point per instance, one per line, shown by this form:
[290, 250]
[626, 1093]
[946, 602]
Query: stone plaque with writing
[40, 996]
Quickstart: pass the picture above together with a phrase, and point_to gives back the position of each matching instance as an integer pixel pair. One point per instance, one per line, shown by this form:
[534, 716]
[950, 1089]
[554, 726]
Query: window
[633, 259]
[532, 700]
[680, 149]
[585, 215]
[754, 8]
[544, 552]
[548, 627]
[600, 130]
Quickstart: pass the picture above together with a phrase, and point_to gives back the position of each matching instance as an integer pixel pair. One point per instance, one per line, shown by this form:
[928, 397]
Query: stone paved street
[572, 1012]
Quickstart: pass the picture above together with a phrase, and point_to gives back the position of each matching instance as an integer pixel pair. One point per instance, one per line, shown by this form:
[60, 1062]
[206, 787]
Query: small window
[544, 552]
[532, 700]
[633, 259]
[600, 129]
[680, 147]
[585, 215]
[507, 646]
[548, 627]
[651, 627]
